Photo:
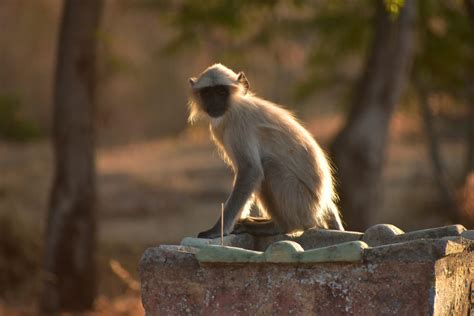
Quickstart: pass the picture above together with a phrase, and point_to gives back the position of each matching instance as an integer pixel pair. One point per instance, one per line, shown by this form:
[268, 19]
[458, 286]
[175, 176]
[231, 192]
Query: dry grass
[124, 305]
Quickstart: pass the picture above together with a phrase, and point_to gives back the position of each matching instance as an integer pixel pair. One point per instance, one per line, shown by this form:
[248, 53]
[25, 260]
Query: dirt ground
[159, 191]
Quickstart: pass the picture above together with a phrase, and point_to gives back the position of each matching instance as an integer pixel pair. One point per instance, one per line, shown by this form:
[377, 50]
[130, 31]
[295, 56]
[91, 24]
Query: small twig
[222, 224]
[124, 275]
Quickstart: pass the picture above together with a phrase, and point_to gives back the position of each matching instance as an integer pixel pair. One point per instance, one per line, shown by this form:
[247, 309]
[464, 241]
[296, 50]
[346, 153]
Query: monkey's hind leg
[256, 226]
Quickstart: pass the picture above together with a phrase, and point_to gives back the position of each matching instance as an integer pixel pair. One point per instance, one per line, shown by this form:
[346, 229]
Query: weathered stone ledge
[389, 272]
[376, 235]
[379, 242]
[284, 252]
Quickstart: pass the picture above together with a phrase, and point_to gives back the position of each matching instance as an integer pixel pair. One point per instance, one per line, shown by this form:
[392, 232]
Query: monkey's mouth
[215, 111]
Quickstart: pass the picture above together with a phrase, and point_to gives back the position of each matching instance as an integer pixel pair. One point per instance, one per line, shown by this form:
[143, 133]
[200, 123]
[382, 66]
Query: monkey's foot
[210, 234]
[254, 219]
[256, 226]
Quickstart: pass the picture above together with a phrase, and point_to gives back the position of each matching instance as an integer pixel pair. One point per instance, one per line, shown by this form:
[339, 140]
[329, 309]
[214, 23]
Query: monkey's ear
[243, 81]
[192, 81]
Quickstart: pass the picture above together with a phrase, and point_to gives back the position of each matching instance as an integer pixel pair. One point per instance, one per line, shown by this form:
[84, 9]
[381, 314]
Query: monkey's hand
[239, 228]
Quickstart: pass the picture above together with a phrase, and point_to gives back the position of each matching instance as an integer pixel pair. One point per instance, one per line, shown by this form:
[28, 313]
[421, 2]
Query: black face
[215, 100]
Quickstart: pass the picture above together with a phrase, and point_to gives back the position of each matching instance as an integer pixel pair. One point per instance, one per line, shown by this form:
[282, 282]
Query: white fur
[217, 74]
[215, 121]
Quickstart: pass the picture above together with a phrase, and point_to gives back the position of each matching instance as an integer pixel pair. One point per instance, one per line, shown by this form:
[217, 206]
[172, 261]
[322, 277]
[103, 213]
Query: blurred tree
[443, 181]
[443, 67]
[470, 154]
[358, 149]
[69, 252]
[327, 29]
[468, 196]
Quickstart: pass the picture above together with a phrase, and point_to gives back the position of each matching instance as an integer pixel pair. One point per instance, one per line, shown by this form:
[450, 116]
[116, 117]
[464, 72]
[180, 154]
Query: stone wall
[386, 271]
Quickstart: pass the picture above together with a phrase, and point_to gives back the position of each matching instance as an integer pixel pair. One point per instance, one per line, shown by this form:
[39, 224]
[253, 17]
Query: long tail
[333, 219]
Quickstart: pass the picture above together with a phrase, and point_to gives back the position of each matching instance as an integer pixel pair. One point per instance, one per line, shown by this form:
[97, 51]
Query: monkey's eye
[221, 91]
[204, 92]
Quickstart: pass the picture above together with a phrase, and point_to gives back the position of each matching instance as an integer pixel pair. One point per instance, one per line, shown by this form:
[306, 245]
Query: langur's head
[214, 89]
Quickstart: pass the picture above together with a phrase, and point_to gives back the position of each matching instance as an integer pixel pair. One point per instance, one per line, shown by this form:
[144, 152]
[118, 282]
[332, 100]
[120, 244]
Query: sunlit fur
[297, 189]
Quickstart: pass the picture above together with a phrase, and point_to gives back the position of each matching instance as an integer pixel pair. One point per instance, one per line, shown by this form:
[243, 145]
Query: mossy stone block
[346, 252]
[217, 253]
[283, 251]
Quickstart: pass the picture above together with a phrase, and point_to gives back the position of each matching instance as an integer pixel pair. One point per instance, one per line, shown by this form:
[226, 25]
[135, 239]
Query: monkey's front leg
[247, 180]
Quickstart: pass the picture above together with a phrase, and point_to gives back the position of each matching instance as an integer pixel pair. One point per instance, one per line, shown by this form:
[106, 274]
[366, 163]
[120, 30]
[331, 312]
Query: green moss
[13, 124]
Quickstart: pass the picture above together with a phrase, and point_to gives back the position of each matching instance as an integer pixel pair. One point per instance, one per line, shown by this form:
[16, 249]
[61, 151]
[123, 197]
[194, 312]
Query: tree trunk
[470, 99]
[358, 150]
[470, 133]
[470, 9]
[69, 254]
[467, 207]
[446, 188]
